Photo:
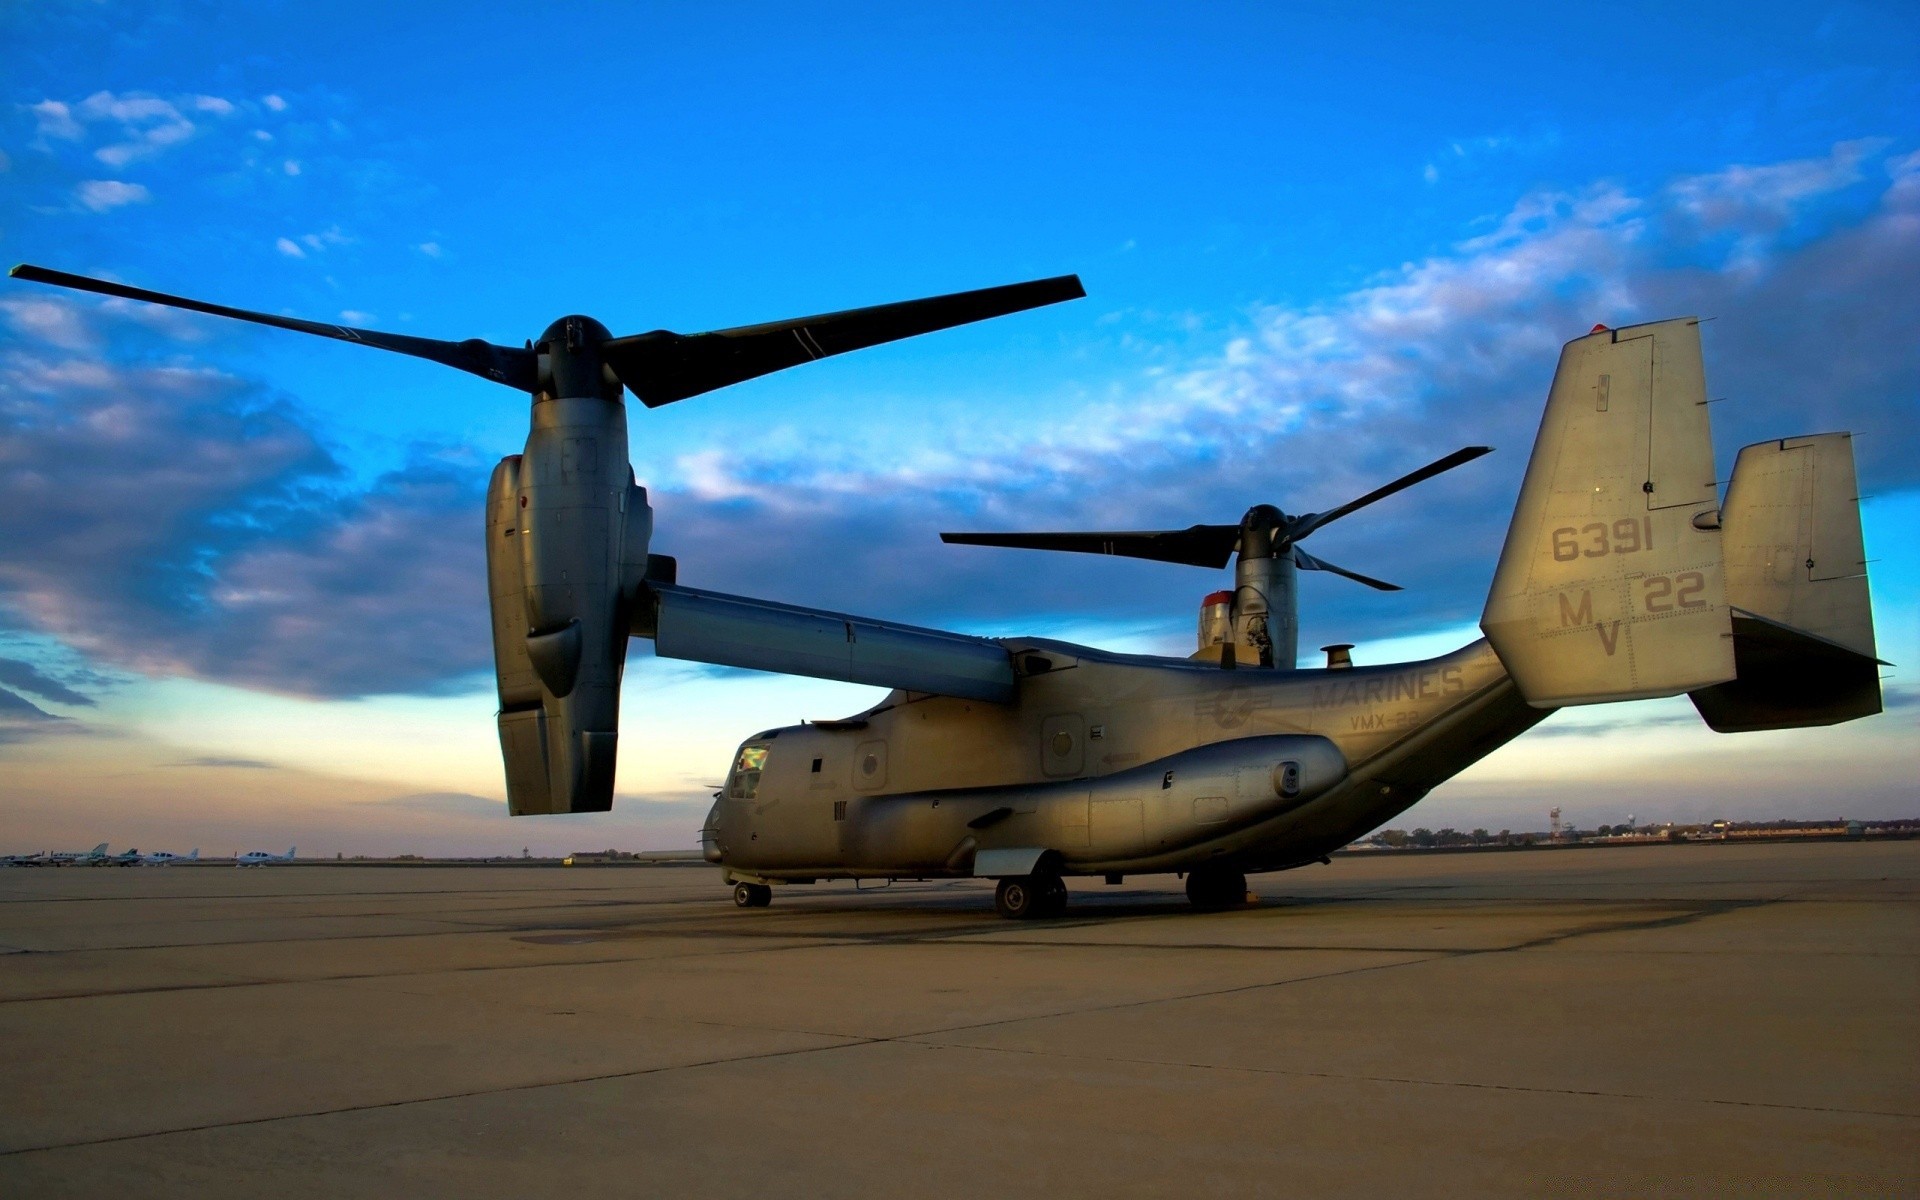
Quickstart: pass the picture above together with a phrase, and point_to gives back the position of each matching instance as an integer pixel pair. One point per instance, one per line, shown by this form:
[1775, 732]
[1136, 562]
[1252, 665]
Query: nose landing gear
[752, 895]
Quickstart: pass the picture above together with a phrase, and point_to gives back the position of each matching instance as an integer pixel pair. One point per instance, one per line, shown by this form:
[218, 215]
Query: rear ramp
[1797, 585]
[1611, 585]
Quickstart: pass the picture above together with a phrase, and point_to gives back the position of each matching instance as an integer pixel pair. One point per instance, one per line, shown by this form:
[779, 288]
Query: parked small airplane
[161, 858]
[260, 858]
[62, 858]
[126, 858]
[37, 858]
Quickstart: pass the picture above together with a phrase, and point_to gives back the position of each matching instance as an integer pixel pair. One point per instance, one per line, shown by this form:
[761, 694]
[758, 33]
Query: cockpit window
[746, 772]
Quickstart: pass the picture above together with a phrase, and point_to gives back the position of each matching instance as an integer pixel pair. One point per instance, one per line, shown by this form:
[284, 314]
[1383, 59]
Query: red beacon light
[1598, 329]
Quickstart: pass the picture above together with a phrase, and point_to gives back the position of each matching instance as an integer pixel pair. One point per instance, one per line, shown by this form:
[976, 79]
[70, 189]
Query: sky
[242, 598]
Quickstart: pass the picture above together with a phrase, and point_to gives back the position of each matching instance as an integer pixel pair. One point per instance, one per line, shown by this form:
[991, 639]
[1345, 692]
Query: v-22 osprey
[1625, 575]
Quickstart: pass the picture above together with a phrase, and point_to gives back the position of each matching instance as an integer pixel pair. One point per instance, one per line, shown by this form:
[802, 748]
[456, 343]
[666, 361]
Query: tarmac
[1664, 1020]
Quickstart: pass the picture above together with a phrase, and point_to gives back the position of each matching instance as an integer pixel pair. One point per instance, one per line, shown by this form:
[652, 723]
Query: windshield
[746, 772]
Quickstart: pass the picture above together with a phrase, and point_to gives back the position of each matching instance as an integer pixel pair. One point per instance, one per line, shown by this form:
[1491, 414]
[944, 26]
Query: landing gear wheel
[1053, 901]
[1213, 888]
[752, 895]
[1021, 897]
[1017, 897]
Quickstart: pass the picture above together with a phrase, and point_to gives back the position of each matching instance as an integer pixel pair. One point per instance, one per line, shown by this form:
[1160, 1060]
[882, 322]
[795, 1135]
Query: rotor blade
[661, 367]
[1312, 521]
[1196, 546]
[1307, 562]
[501, 364]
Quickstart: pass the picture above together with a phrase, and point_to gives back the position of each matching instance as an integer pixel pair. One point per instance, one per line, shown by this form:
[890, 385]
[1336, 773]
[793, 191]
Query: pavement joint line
[844, 1042]
[214, 897]
[1702, 909]
[803, 941]
[1438, 1083]
[342, 1110]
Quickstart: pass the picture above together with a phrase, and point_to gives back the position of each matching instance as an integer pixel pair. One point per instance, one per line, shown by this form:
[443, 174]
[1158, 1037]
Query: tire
[1017, 897]
[752, 895]
[1212, 888]
[1054, 898]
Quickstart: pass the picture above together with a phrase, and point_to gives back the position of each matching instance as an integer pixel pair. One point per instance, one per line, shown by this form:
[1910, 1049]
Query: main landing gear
[1020, 897]
[752, 895]
[1212, 887]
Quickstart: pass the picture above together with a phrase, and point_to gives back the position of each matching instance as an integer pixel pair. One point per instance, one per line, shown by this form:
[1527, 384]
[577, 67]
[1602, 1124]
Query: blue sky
[1322, 246]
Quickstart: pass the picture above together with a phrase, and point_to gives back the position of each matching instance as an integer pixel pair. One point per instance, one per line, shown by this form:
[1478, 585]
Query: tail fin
[195, 856]
[1797, 581]
[1608, 588]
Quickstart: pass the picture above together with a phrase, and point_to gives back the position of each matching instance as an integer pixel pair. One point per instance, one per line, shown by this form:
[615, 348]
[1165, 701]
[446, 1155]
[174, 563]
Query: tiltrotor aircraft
[1625, 575]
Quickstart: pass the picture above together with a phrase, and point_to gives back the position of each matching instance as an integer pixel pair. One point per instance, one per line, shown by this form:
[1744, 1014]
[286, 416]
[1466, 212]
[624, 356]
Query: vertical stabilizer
[1606, 588]
[1795, 553]
[1797, 583]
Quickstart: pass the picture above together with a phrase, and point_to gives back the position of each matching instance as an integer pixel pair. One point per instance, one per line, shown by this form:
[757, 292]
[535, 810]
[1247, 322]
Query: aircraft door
[1063, 750]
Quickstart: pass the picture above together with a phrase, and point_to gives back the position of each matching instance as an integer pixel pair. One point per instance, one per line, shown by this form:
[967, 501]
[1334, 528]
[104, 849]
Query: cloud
[22, 720]
[242, 764]
[100, 195]
[17, 707]
[145, 125]
[30, 679]
[452, 804]
[171, 521]
[130, 131]
[1309, 406]
[53, 119]
[53, 321]
[326, 239]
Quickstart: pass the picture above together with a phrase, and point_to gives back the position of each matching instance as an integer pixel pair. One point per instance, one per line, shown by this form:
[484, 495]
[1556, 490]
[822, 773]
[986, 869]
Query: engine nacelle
[567, 535]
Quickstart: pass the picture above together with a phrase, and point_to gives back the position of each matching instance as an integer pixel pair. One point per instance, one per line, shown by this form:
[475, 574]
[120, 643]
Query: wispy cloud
[314, 243]
[218, 762]
[101, 195]
[1335, 397]
[130, 132]
[26, 677]
[22, 720]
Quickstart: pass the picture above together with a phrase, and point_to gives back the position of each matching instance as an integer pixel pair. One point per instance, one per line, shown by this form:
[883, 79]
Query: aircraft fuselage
[1109, 764]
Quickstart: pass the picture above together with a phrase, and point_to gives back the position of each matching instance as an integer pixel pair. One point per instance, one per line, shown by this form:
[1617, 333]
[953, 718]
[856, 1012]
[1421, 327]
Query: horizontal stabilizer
[734, 631]
[1789, 679]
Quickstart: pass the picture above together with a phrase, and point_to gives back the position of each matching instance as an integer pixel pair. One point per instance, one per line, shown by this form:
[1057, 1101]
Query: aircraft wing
[736, 631]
